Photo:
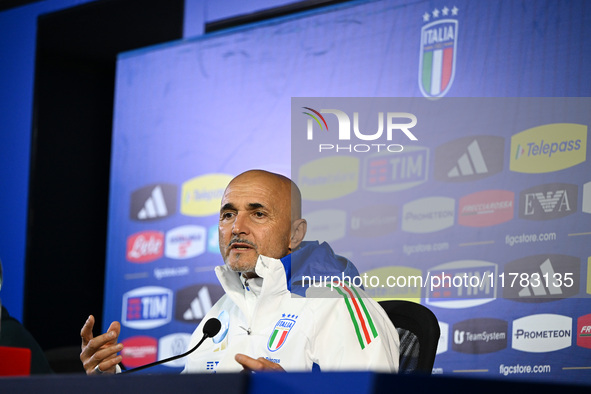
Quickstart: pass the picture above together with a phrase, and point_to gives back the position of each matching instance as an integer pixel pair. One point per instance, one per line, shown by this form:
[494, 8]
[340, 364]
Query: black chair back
[419, 332]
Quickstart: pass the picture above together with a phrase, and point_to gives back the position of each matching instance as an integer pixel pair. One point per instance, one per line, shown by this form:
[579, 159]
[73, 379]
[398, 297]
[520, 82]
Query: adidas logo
[469, 163]
[540, 288]
[153, 202]
[155, 206]
[199, 306]
[469, 158]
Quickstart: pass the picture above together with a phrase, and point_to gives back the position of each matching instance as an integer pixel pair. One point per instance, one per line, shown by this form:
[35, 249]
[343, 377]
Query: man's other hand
[99, 354]
[260, 364]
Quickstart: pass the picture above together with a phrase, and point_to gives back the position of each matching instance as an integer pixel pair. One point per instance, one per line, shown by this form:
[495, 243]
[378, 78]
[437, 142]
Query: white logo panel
[542, 333]
[427, 215]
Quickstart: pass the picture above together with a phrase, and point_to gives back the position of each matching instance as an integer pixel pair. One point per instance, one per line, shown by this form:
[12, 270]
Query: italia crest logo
[439, 40]
[281, 331]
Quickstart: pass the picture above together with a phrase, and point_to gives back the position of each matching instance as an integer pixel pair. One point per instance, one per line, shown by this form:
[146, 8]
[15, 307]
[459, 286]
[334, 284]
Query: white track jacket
[339, 329]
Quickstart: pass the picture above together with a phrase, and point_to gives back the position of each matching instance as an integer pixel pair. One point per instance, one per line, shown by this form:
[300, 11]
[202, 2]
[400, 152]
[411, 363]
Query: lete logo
[145, 246]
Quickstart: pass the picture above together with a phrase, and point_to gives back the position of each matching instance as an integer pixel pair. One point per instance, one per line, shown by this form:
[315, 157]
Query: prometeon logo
[439, 43]
[542, 333]
[550, 201]
[389, 122]
[153, 202]
[427, 215]
[548, 148]
[469, 159]
[542, 278]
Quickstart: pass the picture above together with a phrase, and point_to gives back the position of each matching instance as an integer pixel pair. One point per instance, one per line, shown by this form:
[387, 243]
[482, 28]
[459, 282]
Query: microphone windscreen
[212, 327]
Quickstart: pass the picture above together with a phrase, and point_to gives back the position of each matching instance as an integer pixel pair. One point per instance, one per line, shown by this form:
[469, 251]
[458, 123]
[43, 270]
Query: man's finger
[116, 328]
[97, 343]
[86, 332]
[260, 364]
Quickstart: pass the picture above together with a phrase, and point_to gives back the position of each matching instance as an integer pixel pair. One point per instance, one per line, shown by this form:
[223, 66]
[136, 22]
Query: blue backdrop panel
[191, 114]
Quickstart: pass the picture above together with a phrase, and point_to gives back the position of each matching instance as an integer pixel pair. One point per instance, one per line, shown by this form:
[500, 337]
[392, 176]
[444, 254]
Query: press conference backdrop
[460, 200]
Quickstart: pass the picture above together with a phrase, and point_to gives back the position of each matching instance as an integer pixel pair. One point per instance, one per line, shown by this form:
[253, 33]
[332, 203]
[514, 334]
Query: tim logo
[384, 172]
[542, 278]
[439, 43]
[480, 336]
[546, 202]
[193, 302]
[147, 307]
[389, 123]
[153, 202]
[469, 159]
[461, 284]
[145, 246]
[280, 332]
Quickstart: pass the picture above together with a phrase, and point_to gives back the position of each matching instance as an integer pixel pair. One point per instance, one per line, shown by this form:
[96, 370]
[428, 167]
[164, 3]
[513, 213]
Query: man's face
[254, 219]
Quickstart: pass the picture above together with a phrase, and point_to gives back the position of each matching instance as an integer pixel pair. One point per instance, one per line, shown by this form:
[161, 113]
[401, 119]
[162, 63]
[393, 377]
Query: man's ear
[298, 232]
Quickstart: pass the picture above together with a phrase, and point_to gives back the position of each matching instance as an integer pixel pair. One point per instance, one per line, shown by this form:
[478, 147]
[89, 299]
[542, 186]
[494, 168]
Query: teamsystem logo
[480, 336]
[343, 132]
[439, 42]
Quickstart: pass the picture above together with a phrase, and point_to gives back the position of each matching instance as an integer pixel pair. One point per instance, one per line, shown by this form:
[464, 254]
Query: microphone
[210, 329]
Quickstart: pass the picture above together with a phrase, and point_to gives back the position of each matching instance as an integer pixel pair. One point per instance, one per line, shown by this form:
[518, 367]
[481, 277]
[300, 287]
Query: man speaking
[269, 321]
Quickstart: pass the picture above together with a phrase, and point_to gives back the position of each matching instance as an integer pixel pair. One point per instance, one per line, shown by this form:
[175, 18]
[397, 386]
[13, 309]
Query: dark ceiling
[7, 4]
